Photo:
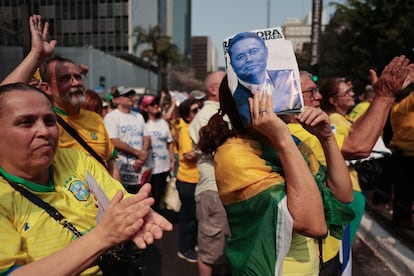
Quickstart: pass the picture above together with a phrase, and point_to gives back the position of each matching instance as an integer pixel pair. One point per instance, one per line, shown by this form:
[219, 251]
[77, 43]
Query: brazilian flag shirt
[250, 181]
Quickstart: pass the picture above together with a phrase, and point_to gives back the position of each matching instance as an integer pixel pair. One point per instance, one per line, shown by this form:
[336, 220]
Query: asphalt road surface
[161, 258]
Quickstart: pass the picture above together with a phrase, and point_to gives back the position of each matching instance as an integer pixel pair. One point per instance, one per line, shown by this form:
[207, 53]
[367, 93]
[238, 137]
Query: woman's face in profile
[30, 134]
[248, 58]
[344, 99]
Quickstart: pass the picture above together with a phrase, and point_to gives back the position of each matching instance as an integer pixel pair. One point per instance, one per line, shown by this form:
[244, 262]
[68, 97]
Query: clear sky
[219, 19]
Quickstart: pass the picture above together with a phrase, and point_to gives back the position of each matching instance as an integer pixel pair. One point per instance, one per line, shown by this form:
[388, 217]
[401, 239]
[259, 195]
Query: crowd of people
[271, 197]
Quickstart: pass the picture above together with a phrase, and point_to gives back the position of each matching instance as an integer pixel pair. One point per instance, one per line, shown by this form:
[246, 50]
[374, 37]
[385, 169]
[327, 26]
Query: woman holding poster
[273, 188]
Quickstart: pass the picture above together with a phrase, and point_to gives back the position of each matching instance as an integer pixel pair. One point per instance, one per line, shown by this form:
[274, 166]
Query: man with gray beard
[62, 81]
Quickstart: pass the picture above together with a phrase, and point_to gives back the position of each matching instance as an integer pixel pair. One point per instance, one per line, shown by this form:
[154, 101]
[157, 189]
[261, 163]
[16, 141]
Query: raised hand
[264, 120]
[40, 37]
[393, 77]
[316, 121]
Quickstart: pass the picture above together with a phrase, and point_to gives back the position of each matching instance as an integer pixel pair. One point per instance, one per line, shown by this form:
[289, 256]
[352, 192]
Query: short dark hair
[242, 36]
[44, 67]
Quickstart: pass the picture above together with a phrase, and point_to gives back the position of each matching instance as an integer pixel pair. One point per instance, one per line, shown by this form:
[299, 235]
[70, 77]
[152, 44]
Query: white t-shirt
[130, 129]
[160, 138]
[205, 162]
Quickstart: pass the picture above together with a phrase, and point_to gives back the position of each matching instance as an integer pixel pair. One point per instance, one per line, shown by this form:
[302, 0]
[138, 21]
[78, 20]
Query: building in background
[299, 31]
[105, 25]
[204, 56]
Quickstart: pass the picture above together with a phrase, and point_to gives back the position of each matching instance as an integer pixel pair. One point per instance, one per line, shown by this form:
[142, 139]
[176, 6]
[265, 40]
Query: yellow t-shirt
[187, 170]
[331, 245]
[358, 110]
[175, 127]
[302, 258]
[28, 233]
[245, 170]
[402, 122]
[341, 126]
[91, 129]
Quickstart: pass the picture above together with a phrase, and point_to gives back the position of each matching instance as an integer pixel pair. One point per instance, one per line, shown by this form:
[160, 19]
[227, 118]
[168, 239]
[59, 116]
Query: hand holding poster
[262, 60]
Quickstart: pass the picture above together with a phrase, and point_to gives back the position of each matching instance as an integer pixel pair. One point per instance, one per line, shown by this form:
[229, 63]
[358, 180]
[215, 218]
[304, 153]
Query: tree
[157, 49]
[366, 34]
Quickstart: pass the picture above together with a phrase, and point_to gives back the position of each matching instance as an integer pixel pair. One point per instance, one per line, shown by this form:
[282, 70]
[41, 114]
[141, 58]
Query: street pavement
[375, 252]
[160, 259]
[387, 242]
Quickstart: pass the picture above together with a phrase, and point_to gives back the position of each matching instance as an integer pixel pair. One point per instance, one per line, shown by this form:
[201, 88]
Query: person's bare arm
[317, 122]
[130, 218]
[303, 197]
[113, 170]
[172, 159]
[122, 146]
[171, 108]
[366, 130]
[41, 49]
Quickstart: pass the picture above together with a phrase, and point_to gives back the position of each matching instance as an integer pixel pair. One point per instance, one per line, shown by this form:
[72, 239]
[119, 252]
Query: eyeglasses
[346, 93]
[312, 90]
[195, 110]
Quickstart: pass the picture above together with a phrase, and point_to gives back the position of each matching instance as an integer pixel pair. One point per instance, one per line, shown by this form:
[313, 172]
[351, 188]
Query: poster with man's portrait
[263, 60]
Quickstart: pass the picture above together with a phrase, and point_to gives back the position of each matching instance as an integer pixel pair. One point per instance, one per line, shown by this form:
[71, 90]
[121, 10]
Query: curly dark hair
[217, 131]
[184, 108]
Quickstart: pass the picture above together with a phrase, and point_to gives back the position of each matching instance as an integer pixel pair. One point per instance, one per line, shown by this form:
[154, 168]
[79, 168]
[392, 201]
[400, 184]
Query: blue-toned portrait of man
[248, 55]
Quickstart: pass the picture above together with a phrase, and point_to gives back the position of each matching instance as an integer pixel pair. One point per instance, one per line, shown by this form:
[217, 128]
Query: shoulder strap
[82, 142]
[53, 212]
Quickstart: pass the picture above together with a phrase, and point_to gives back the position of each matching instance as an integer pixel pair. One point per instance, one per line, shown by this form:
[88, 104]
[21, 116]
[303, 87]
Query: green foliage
[365, 34]
[157, 48]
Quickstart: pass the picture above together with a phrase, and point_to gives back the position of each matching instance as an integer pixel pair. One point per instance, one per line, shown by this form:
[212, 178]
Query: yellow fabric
[91, 128]
[330, 245]
[175, 127]
[343, 127]
[255, 177]
[402, 122]
[358, 110]
[28, 233]
[237, 185]
[302, 258]
[36, 74]
[187, 170]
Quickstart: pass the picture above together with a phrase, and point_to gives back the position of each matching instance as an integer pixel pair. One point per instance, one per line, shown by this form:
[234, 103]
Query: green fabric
[260, 227]
[337, 214]
[358, 206]
[254, 225]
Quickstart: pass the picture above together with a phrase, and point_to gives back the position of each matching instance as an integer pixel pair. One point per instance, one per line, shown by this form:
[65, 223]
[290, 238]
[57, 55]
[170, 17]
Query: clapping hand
[132, 218]
[392, 79]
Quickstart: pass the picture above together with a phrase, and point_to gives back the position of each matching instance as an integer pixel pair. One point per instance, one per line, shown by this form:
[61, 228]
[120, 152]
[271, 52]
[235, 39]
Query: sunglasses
[195, 110]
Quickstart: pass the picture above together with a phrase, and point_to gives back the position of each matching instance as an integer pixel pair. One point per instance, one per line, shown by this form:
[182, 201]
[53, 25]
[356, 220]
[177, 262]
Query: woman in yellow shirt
[187, 179]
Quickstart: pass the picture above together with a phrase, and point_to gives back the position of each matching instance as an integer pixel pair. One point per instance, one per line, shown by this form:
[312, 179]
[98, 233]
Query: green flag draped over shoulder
[253, 192]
